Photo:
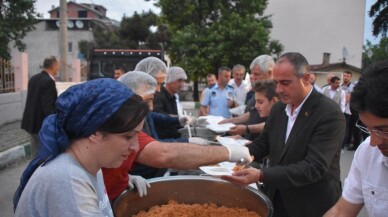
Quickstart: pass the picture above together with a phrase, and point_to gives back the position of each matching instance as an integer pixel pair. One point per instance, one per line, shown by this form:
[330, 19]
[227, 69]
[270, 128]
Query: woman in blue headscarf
[96, 125]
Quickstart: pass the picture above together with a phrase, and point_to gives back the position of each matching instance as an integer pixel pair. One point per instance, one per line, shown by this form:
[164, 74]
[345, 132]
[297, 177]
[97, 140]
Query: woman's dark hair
[127, 117]
[370, 93]
[267, 88]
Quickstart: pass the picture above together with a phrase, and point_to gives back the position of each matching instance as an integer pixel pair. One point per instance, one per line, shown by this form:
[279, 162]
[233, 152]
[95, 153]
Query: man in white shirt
[335, 93]
[312, 82]
[241, 87]
[367, 183]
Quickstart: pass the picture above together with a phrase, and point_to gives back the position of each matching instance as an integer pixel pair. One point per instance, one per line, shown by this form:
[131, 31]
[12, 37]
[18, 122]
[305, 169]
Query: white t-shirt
[240, 91]
[367, 181]
[63, 187]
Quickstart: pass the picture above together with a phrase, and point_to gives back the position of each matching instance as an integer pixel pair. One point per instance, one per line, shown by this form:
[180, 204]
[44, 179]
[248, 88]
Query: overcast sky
[117, 8]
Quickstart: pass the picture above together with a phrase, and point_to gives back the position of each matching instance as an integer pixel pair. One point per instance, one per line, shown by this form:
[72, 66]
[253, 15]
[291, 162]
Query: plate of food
[216, 171]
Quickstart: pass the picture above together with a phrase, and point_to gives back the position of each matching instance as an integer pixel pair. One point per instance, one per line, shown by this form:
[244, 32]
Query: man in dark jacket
[302, 138]
[41, 98]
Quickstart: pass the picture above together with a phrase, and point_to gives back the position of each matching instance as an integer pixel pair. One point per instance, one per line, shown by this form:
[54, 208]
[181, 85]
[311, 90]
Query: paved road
[12, 135]
[9, 179]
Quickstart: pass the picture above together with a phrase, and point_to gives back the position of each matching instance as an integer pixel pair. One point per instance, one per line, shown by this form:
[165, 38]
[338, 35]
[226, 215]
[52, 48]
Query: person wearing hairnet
[137, 82]
[157, 69]
[162, 154]
[154, 67]
[166, 101]
[96, 125]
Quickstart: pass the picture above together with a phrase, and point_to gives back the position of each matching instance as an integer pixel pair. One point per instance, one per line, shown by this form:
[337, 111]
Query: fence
[7, 77]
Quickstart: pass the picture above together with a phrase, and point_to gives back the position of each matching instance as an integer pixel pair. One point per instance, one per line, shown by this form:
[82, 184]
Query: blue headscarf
[80, 111]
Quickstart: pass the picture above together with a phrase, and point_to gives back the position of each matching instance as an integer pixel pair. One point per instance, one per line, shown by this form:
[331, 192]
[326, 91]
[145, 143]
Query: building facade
[314, 27]
[45, 39]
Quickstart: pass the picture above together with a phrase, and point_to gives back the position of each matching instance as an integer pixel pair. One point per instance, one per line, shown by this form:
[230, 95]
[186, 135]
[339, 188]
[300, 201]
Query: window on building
[70, 47]
[82, 14]
[58, 13]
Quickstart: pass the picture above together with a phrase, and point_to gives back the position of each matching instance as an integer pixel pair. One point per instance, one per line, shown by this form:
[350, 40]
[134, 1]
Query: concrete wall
[12, 106]
[313, 27]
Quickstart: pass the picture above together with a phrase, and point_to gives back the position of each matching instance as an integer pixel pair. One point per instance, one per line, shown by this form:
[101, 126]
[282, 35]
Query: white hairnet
[176, 73]
[152, 66]
[265, 63]
[139, 82]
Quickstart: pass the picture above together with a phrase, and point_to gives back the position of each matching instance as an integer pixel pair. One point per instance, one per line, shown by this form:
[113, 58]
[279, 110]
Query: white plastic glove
[184, 119]
[198, 140]
[237, 152]
[140, 183]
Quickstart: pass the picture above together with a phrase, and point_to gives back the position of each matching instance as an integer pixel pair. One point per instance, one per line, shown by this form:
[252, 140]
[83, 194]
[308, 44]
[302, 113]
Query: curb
[14, 154]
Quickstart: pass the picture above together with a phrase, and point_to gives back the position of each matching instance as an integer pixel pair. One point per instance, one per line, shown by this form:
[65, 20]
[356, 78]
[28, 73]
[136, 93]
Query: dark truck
[104, 61]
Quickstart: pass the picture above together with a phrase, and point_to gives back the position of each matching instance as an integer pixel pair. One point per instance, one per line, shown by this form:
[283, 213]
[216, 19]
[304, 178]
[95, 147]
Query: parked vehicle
[104, 61]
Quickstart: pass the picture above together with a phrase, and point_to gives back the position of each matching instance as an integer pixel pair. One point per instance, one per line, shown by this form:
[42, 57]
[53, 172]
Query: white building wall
[313, 27]
[42, 43]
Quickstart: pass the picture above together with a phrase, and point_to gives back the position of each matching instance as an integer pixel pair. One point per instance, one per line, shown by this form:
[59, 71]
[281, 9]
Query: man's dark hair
[348, 72]
[224, 68]
[370, 93]
[120, 68]
[334, 79]
[49, 62]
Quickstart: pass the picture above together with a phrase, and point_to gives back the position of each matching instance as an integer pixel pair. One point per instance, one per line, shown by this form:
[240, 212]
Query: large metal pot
[191, 190]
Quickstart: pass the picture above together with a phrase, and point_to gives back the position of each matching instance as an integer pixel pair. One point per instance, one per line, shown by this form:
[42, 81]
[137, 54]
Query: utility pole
[63, 39]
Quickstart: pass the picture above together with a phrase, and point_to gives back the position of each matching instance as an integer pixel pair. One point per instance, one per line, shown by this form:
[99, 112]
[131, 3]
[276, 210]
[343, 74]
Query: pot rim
[205, 178]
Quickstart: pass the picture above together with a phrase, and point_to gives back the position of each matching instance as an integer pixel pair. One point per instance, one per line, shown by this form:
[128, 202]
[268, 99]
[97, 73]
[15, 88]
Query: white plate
[228, 165]
[211, 119]
[239, 110]
[220, 128]
[231, 141]
[216, 171]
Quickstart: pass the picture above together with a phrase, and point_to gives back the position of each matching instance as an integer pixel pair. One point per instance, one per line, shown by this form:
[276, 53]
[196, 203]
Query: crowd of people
[103, 136]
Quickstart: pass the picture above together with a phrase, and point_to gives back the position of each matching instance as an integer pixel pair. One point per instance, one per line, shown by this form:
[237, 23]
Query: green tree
[372, 53]
[379, 13]
[17, 18]
[207, 34]
[134, 33]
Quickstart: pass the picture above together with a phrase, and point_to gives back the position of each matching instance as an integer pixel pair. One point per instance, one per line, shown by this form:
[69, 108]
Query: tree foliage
[133, 33]
[379, 13]
[207, 34]
[372, 53]
[17, 18]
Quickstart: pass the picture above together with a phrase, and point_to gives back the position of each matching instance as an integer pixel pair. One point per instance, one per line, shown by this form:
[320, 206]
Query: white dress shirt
[292, 116]
[367, 180]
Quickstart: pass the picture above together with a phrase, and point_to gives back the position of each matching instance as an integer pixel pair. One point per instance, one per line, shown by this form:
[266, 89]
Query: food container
[202, 132]
[191, 190]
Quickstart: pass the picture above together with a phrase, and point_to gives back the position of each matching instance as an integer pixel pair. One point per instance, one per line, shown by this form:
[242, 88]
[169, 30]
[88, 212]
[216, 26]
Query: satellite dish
[57, 23]
[70, 24]
[79, 24]
[369, 53]
[345, 53]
